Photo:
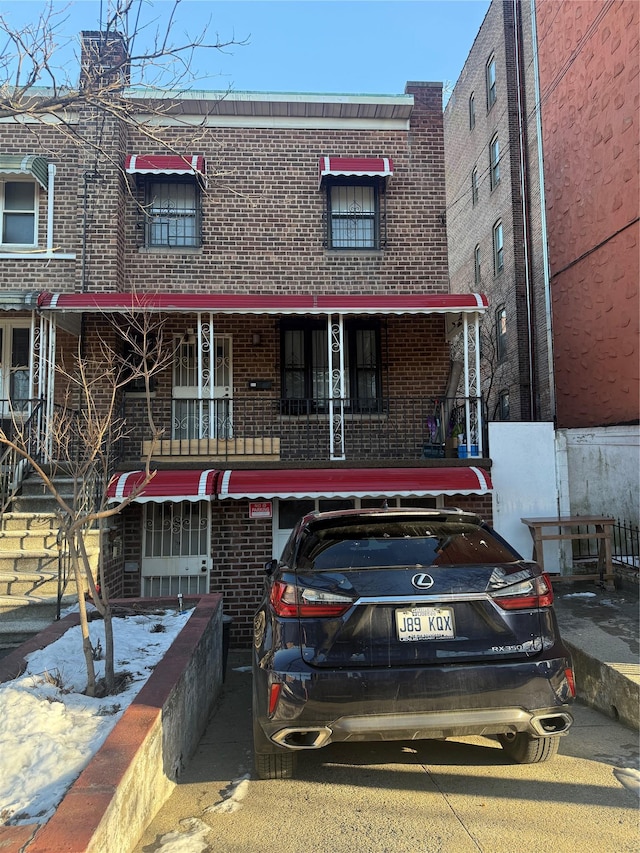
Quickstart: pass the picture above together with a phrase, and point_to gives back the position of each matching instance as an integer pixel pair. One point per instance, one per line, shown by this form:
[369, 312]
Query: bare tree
[82, 433]
[130, 47]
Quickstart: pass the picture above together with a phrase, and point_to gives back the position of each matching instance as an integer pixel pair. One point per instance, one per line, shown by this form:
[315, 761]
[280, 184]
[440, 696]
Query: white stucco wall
[603, 470]
[525, 482]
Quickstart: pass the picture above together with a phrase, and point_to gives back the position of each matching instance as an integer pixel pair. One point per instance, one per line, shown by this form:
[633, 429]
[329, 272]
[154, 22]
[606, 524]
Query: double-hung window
[498, 248]
[173, 214]
[354, 215]
[477, 272]
[474, 187]
[305, 367]
[494, 162]
[491, 82]
[501, 333]
[472, 111]
[19, 203]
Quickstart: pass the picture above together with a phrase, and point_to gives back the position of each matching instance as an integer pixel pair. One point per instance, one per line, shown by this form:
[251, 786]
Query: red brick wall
[590, 96]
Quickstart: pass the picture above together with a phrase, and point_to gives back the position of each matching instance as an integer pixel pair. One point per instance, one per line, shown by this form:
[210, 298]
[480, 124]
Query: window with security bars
[173, 214]
[354, 216]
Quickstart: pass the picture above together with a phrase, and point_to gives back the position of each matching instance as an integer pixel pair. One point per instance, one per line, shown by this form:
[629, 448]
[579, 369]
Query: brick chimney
[104, 61]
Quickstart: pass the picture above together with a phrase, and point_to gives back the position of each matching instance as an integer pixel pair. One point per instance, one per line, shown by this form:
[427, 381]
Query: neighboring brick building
[558, 256]
[296, 247]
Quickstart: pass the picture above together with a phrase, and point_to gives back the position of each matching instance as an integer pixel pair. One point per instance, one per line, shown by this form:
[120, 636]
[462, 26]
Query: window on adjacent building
[501, 333]
[503, 406]
[305, 367]
[472, 111]
[498, 248]
[173, 214]
[494, 162]
[354, 220]
[474, 186]
[19, 204]
[491, 82]
[476, 265]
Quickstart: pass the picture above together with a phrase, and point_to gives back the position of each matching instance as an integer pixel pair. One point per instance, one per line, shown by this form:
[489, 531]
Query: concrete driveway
[433, 797]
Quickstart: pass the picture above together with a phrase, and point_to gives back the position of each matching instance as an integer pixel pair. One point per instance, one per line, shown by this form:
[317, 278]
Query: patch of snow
[49, 730]
[580, 595]
[193, 839]
[232, 796]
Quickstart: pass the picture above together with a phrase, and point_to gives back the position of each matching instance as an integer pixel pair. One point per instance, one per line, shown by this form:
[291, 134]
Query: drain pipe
[524, 197]
[543, 218]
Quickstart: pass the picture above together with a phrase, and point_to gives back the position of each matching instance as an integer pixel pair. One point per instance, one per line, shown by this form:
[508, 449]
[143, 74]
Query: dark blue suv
[400, 624]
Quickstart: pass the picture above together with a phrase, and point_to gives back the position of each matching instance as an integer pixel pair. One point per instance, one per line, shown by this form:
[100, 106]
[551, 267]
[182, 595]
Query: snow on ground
[49, 729]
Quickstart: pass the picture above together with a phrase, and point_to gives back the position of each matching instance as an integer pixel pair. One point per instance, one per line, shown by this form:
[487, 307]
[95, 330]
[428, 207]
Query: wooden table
[564, 527]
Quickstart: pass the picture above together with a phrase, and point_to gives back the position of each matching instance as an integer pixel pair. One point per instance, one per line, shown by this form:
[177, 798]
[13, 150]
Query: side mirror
[270, 566]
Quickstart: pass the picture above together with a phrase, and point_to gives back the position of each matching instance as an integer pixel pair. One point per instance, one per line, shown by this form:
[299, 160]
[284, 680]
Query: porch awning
[165, 486]
[266, 303]
[27, 164]
[353, 482]
[355, 167]
[164, 164]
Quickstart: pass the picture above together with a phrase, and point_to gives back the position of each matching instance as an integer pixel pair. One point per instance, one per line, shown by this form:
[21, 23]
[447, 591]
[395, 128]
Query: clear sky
[344, 46]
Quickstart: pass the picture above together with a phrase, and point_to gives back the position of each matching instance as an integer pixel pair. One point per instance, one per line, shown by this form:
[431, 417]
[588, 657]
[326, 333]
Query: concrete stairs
[29, 563]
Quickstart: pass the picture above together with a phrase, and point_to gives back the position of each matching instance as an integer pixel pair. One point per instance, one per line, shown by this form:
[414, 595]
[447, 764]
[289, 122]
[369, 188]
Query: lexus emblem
[422, 581]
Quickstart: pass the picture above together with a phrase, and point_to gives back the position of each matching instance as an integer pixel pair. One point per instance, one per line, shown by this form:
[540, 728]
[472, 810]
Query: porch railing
[387, 428]
[25, 425]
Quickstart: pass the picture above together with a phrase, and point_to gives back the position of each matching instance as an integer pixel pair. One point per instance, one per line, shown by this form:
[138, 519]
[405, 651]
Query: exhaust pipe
[299, 738]
[552, 724]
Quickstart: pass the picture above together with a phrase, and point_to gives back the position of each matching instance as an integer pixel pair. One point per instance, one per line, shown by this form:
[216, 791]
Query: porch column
[472, 409]
[335, 342]
[206, 376]
[42, 377]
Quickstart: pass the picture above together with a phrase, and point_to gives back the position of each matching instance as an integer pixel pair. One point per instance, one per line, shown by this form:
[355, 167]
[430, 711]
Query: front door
[15, 355]
[202, 408]
[176, 548]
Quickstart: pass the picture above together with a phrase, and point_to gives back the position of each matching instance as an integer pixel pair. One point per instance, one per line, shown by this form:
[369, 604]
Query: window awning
[174, 486]
[37, 167]
[355, 167]
[353, 482]
[265, 303]
[164, 164]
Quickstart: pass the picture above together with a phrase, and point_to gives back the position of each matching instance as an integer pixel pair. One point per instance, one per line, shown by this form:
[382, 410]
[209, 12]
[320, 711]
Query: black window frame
[504, 406]
[150, 218]
[477, 273]
[472, 111]
[310, 404]
[474, 186]
[378, 185]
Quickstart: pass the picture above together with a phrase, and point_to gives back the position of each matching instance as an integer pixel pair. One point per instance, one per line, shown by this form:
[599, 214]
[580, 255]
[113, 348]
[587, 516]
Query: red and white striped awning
[355, 167]
[164, 486]
[266, 303]
[353, 482]
[164, 164]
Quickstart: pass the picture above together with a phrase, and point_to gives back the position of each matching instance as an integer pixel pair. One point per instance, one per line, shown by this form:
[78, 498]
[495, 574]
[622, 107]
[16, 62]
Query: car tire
[526, 749]
[271, 762]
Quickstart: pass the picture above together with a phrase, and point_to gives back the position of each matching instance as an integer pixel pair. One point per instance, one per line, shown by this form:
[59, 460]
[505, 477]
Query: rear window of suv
[399, 543]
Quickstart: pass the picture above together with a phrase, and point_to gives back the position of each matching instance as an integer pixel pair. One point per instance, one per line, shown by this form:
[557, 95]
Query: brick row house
[294, 247]
[541, 153]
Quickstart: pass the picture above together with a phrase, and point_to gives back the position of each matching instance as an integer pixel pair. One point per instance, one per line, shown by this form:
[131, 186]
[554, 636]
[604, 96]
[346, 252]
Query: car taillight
[571, 681]
[291, 600]
[525, 595]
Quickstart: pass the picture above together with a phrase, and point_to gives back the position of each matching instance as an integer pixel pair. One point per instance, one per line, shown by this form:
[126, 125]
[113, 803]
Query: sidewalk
[602, 630]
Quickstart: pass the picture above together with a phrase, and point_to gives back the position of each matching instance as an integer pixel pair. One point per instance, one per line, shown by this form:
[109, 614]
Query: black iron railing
[625, 544]
[386, 428]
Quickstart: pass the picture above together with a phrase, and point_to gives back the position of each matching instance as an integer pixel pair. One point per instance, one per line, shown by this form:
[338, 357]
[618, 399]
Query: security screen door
[202, 409]
[176, 548]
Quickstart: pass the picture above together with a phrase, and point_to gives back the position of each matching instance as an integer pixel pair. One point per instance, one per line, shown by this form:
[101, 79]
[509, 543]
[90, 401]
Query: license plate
[425, 623]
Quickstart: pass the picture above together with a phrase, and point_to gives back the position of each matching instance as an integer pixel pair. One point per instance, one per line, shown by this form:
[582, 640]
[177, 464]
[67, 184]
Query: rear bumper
[317, 708]
[437, 724]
